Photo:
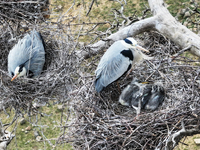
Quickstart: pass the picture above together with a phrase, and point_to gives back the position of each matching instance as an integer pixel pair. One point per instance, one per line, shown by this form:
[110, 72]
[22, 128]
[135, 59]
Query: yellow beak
[145, 82]
[141, 48]
[15, 77]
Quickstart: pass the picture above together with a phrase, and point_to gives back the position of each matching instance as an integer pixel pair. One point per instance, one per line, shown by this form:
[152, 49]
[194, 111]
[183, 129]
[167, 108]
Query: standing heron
[141, 95]
[27, 57]
[117, 60]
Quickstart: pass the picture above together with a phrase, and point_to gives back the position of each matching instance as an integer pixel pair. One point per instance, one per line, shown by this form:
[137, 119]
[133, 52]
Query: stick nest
[28, 10]
[103, 123]
[98, 121]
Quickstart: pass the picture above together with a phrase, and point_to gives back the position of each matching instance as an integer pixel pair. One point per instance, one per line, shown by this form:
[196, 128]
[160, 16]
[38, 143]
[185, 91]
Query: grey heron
[150, 95]
[27, 57]
[117, 60]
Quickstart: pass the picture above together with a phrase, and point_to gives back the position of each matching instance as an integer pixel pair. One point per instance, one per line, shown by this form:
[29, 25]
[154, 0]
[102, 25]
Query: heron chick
[27, 57]
[150, 95]
[118, 60]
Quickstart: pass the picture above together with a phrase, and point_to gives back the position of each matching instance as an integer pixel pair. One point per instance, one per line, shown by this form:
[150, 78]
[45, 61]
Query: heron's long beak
[141, 48]
[14, 77]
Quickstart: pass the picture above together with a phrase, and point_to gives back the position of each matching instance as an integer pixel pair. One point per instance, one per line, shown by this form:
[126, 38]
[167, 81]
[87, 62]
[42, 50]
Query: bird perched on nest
[148, 96]
[117, 60]
[27, 57]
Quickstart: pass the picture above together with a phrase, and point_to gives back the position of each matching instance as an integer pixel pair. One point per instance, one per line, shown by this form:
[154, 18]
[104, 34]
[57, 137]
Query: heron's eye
[12, 73]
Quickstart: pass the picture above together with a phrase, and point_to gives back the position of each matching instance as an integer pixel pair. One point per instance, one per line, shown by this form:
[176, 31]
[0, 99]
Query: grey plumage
[150, 95]
[116, 61]
[28, 52]
[155, 95]
[110, 69]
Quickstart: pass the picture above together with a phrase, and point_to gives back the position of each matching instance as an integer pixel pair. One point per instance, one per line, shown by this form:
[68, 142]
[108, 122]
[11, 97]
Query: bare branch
[90, 7]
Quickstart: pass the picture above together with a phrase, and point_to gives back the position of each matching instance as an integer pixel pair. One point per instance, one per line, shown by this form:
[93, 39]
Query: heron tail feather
[98, 86]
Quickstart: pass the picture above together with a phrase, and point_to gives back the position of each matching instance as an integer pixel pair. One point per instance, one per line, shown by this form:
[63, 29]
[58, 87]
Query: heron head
[19, 71]
[131, 43]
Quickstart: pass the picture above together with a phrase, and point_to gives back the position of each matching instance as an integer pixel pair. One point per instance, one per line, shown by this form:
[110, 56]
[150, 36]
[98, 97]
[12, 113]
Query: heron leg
[138, 109]
[129, 72]
[118, 87]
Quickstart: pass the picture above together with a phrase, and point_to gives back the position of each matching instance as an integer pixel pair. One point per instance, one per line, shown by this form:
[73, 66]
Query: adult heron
[117, 60]
[27, 57]
[149, 95]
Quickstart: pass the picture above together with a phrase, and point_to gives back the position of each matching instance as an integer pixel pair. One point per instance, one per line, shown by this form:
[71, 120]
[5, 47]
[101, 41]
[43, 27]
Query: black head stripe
[27, 61]
[128, 41]
[127, 53]
[21, 67]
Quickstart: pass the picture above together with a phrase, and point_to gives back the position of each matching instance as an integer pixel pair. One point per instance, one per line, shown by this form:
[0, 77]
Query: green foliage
[175, 6]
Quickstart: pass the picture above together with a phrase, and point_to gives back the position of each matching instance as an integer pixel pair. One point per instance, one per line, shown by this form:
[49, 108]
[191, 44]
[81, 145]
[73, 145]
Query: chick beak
[141, 48]
[145, 82]
[15, 77]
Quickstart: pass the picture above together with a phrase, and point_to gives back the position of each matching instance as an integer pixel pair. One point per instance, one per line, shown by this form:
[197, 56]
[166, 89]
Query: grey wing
[156, 98]
[136, 94]
[154, 102]
[37, 54]
[126, 95]
[110, 70]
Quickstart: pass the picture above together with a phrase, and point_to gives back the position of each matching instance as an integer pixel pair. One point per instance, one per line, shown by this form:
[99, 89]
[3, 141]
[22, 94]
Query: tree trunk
[163, 22]
[167, 25]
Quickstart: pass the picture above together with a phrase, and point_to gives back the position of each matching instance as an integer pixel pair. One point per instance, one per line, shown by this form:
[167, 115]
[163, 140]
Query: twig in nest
[156, 69]
[180, 52]
[175, 138]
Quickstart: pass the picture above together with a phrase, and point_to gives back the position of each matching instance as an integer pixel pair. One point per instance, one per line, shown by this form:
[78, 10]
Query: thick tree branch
[163, 22]
[167, 25]
[132, 30]
[176, 137]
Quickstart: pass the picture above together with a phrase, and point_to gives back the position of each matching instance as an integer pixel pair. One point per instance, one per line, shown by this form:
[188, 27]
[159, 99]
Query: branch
[132, 30]
[177, 136]
[180, 52]
[174, 30]
[90, 8]
[163, 22]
